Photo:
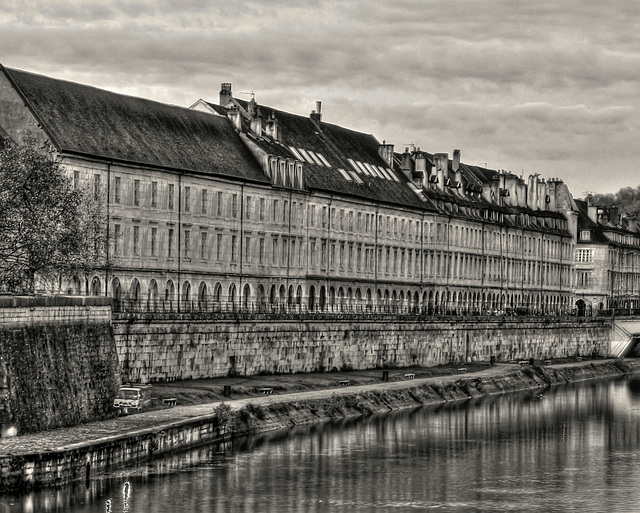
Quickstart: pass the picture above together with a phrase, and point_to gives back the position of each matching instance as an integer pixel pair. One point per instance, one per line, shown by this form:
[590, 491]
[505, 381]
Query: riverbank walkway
[284, 392]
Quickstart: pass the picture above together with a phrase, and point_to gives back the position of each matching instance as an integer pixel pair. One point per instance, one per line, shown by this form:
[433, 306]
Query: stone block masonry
[58, 362]
[190, 348]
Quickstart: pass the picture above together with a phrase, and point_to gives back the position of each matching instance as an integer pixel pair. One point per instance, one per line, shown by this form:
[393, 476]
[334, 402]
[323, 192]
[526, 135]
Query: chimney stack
[405, 163]
[234, 116]
[256, 123]
[225, 93]
[271, 127]
[442, 163]
[456, 160]
[386, 152]
[316, 115]
[614, 215]
[632, 223]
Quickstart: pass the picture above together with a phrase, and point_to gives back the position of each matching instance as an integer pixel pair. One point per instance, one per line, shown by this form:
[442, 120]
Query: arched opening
[299, 297]
[186, 296]
[217, 296]
[202, 296]
[283, 296]
[116, 294]
[332, 299]
[322, 303]
[152, 296]
[169, 295]
[273, 295]
[312, 298]
[290, 297]
[581, 307]
[341, 299]
[369, 300]
[231, 298]
[134, 293]
[260, 298]
[96, 286]
[246, 295]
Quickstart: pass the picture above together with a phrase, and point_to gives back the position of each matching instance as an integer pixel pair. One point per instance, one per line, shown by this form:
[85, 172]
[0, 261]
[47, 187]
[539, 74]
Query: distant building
[239, 205]
[607, 259]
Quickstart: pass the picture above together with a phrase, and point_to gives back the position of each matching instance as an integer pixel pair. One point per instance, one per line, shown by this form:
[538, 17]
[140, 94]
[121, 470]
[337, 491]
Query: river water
[575, 448]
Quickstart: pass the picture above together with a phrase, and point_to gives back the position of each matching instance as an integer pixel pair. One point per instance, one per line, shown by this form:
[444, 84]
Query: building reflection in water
[574, 448]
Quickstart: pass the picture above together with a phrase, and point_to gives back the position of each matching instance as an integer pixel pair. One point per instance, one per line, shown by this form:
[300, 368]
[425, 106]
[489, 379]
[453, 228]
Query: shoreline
[52, 459]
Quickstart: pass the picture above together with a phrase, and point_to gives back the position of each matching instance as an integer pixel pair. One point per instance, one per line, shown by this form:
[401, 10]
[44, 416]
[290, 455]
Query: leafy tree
[626, 199]
[49, 229]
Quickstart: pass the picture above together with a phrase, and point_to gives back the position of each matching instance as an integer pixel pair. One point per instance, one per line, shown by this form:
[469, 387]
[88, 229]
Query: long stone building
[239, 205]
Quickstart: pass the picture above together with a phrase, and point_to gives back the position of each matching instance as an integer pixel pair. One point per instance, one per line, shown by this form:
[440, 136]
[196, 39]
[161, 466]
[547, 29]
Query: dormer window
[585, 234]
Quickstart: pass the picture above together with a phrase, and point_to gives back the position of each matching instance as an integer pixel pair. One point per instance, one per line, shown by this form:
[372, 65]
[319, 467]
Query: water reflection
[571, 449]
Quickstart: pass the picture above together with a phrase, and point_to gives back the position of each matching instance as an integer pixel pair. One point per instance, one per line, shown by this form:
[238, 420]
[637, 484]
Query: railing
[243, 308]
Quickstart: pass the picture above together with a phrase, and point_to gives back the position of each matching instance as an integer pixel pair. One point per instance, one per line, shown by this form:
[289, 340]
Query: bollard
[385, 375]
[227, 390]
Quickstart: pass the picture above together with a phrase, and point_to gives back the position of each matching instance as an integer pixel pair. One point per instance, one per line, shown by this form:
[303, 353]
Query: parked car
[131, 398]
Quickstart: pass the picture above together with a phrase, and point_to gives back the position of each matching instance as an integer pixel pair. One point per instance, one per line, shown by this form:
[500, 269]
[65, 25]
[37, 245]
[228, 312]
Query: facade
[607, 260]
[237, 205]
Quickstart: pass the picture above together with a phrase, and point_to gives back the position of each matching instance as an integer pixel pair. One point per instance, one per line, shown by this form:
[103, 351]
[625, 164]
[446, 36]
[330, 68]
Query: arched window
[134, 293]
[96, 286]
[186, 296]
[202, 296]
[231, 301]
[246, 295]
[312, 298]
[152, 296]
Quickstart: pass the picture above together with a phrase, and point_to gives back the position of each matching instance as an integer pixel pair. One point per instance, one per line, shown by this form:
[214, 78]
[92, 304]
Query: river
[575, 448]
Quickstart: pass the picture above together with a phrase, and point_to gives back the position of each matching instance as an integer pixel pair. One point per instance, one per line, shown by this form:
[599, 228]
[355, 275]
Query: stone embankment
[56, 458]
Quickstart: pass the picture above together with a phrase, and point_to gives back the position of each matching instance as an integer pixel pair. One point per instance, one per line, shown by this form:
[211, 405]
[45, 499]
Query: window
[584, 255]
[285, 251]
[170, 192]
[312, 215]
[187, 199]
[234, 247]
[274, 249]
[117, 187]
[585, 234]
[248, 208]
[136, 240]
[274, 217]
[136, 193]
[247, 249]
[117, 235]
[584, 279]
[314, 260]
[324, 217]
[261, 209]
[234, 206]
[285, 211]
[219, 204]
[96, 187]
[154, 237]
[76, 179]
[261, 250]
[203, 202]
[170, 243]
[203, 245]
[187, 243]
[154, 194]
[218, 246]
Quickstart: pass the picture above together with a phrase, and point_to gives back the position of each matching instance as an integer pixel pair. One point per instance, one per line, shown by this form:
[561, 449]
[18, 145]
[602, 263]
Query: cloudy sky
[549, 87]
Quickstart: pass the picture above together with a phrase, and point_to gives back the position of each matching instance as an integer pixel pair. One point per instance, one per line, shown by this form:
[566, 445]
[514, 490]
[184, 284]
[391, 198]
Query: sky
[549, 87]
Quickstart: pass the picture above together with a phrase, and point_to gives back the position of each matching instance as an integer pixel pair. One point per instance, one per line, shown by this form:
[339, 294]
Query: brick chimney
[386, 152]
[316, 115]
[225, 93]
[592, 210]
[614, 215]
[632, 223]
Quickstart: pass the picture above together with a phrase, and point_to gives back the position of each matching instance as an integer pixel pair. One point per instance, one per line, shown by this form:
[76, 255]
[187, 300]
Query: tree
[49, 228]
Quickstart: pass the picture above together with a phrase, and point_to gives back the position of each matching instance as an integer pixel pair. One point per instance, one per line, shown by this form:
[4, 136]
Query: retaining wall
[155, 349]
[58, 362]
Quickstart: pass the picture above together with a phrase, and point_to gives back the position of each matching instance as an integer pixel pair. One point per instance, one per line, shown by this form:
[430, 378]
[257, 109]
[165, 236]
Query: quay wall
[58, 362]
[84, 461]
[154, 348]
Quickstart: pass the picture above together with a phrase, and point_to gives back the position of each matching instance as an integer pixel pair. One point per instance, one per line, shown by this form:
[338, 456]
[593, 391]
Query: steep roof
[338, 145]
[86, 120]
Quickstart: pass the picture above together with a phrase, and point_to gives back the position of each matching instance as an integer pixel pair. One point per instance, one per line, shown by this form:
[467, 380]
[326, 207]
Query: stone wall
[186, 347]
[58, 362]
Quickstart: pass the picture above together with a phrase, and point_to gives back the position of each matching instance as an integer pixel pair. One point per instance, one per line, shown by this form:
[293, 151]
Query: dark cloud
[545, 86]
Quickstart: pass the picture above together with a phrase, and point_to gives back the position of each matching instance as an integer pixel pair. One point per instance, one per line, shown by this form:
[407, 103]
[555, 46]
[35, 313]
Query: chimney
[442, 164]
[552, 191]
[271, 126]
[405, 163]
[316, 115]
[225, 93]
[252, 108]
[420, 171]
[456, 160]
[511, 184]
[256, 123]
[386, 152]
[234, 116]
[543, 195]
[592, 210]
[632, 223]
[522, 193]
[614, 215]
